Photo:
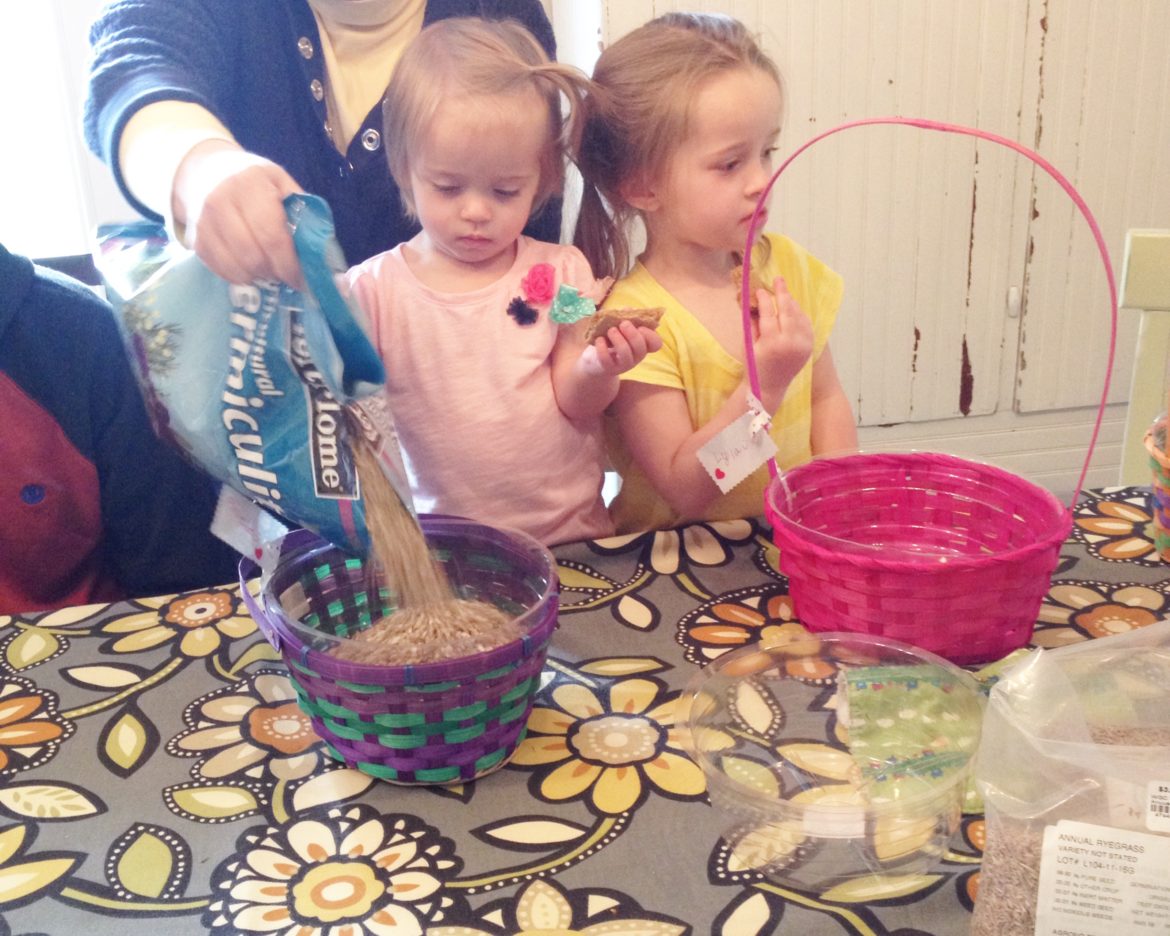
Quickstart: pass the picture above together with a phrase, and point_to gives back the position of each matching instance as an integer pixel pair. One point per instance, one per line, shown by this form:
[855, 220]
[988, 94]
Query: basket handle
[1069, 189]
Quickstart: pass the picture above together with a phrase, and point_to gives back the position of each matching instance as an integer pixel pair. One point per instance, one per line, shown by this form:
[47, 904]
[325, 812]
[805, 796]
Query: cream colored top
[360, 47]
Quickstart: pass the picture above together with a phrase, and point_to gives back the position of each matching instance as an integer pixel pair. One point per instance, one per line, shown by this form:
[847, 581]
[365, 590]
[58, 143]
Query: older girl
[680, 134]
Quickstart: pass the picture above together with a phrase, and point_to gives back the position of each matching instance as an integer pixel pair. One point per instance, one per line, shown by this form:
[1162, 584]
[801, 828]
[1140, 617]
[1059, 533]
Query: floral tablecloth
[156, 775]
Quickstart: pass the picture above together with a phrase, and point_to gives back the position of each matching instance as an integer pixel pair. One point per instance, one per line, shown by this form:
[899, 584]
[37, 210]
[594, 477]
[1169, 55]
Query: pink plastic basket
[947, 554]
[950, 555]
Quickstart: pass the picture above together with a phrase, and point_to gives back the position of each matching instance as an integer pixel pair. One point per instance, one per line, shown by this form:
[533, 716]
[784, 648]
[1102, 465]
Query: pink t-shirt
[471, 392]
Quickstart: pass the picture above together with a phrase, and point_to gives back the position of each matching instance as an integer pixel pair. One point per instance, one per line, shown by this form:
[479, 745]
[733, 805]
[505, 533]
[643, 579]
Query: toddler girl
[680, 132]
[497, 404]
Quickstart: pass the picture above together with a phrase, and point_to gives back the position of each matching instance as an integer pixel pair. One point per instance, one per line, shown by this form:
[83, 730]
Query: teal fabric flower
[570, 306]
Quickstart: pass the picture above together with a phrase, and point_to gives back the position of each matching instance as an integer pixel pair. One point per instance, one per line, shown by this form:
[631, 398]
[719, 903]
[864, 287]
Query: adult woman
[209, 112]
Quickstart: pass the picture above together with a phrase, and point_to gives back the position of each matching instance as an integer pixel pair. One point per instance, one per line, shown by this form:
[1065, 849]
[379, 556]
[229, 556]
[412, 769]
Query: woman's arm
[156, 112]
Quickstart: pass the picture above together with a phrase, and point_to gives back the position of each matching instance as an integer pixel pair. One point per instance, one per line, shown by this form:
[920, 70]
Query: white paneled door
[1101, 86]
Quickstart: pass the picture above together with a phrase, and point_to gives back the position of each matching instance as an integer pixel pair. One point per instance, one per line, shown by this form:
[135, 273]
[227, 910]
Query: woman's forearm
[154, 143]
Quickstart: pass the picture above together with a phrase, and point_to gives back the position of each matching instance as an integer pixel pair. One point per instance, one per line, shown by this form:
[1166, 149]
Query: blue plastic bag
[263, 386]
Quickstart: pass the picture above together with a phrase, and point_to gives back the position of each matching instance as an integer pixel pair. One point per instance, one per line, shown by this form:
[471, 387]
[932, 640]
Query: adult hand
[231, 203]
[783, 344]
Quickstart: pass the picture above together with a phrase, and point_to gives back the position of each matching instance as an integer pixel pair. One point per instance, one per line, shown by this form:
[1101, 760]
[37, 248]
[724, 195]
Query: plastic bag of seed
[1074, 769]
[261, 385]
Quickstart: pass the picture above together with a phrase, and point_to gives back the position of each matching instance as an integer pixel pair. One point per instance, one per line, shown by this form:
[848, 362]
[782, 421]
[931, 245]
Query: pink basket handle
[1070, 190]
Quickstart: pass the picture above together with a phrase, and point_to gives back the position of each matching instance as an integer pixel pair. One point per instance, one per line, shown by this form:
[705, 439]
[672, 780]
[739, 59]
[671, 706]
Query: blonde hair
[477, 57]
[638, 112]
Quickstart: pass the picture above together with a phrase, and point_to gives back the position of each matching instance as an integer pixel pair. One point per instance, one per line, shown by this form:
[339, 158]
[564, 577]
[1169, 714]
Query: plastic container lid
[835, 756]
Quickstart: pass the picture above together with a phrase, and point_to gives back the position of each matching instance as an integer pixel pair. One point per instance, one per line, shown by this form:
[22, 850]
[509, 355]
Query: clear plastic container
[835, 756]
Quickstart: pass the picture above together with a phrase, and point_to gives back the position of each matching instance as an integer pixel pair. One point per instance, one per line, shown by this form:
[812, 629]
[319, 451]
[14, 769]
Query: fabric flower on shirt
[537, 287]
[522, 312]
[539, 284]
[570, 306]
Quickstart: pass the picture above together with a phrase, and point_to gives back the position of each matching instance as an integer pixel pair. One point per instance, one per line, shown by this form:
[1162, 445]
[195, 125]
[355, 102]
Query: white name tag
[740, 449]
[244, 526]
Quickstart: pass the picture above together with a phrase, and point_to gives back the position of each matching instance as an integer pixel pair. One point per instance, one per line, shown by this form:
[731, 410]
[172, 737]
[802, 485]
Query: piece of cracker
[603, 320]
[757, 283]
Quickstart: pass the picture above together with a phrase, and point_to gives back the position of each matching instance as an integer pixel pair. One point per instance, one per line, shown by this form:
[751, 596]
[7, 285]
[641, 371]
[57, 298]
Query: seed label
[1102, 881]
[739, 449]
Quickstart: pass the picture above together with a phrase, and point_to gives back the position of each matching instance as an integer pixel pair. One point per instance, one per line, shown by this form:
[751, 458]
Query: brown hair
[637, 115]
[474, 56]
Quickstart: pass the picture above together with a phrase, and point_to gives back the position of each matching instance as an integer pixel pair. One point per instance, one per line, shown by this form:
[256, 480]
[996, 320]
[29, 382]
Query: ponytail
[603, 221]
[572, 84]
[599, 236]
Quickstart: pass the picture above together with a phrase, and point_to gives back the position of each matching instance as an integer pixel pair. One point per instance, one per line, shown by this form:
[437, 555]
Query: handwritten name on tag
[740, 449]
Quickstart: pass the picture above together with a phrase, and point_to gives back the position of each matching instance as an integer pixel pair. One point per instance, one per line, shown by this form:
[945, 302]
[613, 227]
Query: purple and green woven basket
[432, 723]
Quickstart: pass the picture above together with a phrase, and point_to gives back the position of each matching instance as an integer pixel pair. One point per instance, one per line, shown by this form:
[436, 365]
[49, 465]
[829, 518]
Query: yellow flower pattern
[1075, 610]
[545, 909]
[198, 623]
[254, 728]
[30, 728]
[23, 877]
[1118, 528]
[611, 747]
[352, 871]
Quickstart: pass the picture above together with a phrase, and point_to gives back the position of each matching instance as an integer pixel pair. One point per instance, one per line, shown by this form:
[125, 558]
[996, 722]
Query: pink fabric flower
[540, 284]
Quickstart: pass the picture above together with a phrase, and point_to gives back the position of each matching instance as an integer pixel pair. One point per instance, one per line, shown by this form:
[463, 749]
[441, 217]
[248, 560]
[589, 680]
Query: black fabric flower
[522, 312]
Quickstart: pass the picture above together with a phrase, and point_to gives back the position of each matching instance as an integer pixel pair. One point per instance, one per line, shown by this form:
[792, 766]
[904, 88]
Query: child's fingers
[780, 298]
[641, 339]
[768, 322]
[624, 345]
[603, 346]
[765, 303]
[634, 337]
[781, 318]
[787, 309]
[605, 354]
[651, 337]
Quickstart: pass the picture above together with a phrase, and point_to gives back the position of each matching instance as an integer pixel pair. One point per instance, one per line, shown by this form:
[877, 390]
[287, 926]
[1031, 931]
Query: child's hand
[783, 343]
[622, 347]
